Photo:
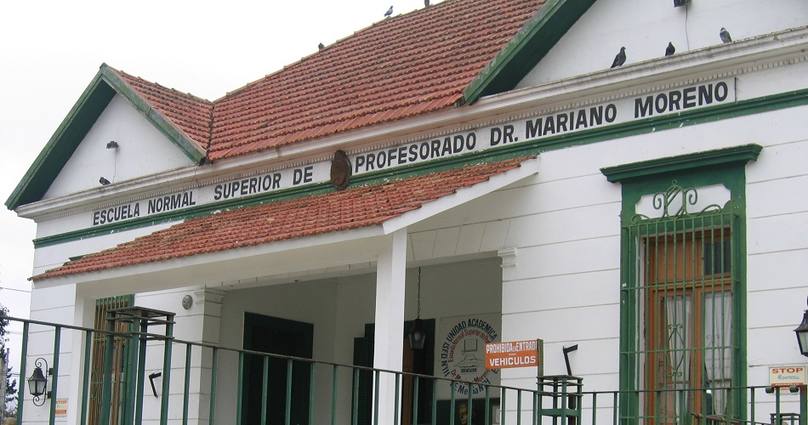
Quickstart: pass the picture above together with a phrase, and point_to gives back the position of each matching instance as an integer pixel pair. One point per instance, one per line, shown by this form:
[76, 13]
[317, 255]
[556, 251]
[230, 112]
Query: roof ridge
[210, 132]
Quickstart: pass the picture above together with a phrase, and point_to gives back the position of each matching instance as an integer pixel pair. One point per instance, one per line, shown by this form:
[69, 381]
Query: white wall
[645, 27]
[564, 222]
[143, 150]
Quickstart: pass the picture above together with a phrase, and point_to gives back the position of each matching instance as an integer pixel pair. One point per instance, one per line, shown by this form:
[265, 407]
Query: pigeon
[725, 37]
[426, 3]
[620, 59]
[103, 181]
[670, 50]
[320, 46]
[389, 12]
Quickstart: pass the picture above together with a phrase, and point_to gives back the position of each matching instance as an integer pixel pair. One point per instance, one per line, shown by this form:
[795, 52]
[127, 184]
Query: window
[682, 295]
[120, 353]
[682, 287]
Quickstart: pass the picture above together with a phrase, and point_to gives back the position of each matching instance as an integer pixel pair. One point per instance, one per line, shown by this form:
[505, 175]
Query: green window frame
[677, 270]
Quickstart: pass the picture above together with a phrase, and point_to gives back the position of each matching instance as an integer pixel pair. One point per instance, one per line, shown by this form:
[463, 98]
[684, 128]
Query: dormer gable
[121, 145]
[109, 107]
[645, 29]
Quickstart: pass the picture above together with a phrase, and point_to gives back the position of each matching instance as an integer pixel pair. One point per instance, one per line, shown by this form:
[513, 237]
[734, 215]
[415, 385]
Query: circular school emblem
[462, 354]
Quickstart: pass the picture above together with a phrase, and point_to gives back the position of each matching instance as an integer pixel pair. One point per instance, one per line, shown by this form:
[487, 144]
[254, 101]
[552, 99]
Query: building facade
[489, 175]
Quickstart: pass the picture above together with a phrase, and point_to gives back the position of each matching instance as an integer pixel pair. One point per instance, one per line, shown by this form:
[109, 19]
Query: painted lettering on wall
[681, 100]
[415, 152]
[171, 202]
[531, 128]
[118, 213]
[246, 187]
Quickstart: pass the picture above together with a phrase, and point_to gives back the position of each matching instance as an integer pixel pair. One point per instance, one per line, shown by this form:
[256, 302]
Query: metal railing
[335, 393]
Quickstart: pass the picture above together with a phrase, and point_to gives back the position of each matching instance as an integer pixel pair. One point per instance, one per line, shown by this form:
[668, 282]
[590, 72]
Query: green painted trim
[174, 134]
[527, 48]
[54, 155]
[642, 169]
[731, 174]
[531, 147]
[67, 137]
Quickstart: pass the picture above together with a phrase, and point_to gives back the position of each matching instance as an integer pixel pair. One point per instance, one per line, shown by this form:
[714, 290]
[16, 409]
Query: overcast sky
[50, 50]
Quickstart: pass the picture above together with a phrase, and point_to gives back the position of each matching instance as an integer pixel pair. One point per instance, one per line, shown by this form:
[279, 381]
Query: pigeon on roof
[670, 50]
[620, 58]
[725, 37]
[426, 3]
[389, 12]
[320, 46]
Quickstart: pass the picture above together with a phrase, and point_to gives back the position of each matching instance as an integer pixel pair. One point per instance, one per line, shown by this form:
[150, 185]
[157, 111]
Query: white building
[503, 183]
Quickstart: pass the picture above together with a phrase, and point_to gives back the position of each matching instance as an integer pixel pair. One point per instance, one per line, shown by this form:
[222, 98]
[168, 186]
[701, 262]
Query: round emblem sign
[462, 354]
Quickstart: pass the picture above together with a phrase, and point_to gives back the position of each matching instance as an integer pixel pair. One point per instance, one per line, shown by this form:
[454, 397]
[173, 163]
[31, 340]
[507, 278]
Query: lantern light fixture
[38, 382]
[802, 334]
[417, 334]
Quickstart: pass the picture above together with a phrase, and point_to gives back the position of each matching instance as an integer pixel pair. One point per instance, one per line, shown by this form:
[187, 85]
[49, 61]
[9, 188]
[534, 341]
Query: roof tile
[353, 208]
[397, 68]
[190, 114]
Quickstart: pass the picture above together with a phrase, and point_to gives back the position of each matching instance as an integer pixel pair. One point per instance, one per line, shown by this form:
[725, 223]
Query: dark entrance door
[278, 336]
[414, 361]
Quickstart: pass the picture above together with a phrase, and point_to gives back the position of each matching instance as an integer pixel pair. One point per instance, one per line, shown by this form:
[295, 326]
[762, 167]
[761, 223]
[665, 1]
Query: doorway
[413, 361]
[278, 336]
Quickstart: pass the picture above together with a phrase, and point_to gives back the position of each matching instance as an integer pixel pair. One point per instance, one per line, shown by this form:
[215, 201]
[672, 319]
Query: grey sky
[50, 50]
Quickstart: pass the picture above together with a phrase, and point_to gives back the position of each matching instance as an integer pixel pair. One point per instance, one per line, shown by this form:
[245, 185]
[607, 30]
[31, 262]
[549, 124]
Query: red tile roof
[356, 207]
[190, 114]
[397, 68]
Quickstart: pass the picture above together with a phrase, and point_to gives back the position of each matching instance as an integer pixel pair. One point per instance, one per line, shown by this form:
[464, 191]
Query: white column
[388, 345]
[210, 302]
[83, 315]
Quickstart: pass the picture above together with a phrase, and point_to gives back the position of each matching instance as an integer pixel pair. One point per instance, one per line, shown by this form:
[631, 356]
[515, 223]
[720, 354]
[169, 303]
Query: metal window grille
[680, 313]
[103, 306]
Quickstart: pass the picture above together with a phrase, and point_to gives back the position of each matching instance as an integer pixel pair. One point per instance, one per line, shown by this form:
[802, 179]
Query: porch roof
[394, 202]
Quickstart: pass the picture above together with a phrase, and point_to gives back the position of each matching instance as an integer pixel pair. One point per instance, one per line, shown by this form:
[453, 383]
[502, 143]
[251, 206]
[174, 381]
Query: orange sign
[61, 408]
[503, 355]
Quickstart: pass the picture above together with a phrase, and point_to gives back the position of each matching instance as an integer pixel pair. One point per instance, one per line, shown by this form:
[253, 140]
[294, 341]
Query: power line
[28, 291]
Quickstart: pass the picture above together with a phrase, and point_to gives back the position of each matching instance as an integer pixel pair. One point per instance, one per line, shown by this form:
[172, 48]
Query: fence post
[167, 370]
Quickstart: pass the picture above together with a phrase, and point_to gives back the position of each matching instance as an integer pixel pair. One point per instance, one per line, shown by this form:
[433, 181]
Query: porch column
[388, 344]
[83, 315]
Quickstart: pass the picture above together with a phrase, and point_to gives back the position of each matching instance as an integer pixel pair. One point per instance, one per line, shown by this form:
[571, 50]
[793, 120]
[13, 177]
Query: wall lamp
[802, 334]
[38, 382]
[417, 334]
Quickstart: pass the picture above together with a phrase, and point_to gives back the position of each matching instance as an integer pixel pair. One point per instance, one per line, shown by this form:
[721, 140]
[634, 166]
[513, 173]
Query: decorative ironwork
[38, 397]
[678, 201]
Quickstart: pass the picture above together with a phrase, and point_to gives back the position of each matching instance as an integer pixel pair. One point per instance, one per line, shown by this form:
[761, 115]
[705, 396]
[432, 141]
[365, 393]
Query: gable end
[67, 137]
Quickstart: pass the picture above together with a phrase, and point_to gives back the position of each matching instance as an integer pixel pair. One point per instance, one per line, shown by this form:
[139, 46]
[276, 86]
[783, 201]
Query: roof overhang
[308, 254]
